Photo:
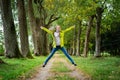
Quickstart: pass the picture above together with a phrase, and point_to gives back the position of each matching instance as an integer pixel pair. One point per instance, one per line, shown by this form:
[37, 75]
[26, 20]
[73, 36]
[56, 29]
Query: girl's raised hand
[41, 27]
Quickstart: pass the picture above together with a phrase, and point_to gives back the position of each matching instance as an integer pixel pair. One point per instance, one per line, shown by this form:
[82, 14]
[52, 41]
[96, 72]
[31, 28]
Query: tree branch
[51, 19]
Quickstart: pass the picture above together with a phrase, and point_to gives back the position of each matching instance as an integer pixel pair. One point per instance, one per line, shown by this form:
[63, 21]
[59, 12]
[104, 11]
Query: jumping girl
[58, 42]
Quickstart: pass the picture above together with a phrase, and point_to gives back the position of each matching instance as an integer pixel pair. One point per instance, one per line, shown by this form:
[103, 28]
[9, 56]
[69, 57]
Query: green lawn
[104, 68]
[19, 68]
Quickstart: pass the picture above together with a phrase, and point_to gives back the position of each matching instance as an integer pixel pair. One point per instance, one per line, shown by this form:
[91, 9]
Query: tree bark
[99, 12]
[74, 42]
[78, 39]
[11, 45]
[41, 22]
[23, 29]
[43, 38]
[44, 43]
[32, 21]
[35, 29]
[86, 43]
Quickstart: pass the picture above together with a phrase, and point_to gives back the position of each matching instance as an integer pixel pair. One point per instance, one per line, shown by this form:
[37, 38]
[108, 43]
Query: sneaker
[43, 65]
[75, 64]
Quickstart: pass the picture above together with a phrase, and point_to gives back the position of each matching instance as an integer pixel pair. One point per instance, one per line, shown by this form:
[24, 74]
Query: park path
[45, 73]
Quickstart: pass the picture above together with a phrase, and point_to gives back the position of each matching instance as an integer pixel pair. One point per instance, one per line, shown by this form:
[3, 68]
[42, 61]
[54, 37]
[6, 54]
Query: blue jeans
[54, 50]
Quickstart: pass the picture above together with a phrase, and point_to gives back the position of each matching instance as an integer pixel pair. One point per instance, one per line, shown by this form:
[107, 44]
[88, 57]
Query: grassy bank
[104, 68]
[19, 68]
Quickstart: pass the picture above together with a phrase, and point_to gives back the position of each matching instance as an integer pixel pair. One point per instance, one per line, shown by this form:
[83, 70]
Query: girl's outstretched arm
[47, 30]
[68, 29]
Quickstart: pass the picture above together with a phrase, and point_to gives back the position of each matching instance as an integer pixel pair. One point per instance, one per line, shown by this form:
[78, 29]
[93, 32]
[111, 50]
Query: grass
[104, 68]
[60, 72]
[60, 67]
[62, 77]
[18, 68]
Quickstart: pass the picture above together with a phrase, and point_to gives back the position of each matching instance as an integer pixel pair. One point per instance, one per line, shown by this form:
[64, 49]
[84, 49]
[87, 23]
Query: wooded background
[97, 28]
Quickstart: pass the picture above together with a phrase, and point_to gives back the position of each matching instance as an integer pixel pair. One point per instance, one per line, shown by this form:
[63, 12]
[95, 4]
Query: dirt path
[75, 72]
[46, 72]
[43, 73]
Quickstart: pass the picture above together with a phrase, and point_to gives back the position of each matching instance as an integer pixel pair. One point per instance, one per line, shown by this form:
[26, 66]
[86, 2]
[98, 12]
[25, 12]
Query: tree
[110, 40]
[35, 36]
[39, 17]
[78, 39]
[99, 11]
[40, 21]
[86, 43]
[111, 30]
[23, 29]
[74, 42]
[79, 12]
[11, 45]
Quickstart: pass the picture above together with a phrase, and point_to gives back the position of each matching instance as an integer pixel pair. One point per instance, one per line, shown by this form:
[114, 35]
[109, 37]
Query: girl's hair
[52, 28]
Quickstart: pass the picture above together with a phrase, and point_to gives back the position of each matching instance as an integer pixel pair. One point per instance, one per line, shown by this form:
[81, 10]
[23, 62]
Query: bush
[105, 54]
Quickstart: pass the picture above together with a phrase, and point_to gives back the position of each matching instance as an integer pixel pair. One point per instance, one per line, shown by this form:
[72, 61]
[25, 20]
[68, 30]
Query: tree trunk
[86, 43]
[44, 43]
[11, 45]
[74, 42]
[39, 36]
[78, 39]
[32, 21]
[43, 37]
[41, 22]
[23, 29]
[35, 29]
[99, 12]
[71, 50]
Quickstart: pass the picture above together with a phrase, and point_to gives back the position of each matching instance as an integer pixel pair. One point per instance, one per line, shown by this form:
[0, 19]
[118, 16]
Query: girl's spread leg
[67, 55]
[50, 55]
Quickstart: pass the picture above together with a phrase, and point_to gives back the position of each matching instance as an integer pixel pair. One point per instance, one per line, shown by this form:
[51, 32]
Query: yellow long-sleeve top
[62, 32]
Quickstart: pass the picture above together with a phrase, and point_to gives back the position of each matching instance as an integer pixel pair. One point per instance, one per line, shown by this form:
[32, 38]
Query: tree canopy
[67, 13]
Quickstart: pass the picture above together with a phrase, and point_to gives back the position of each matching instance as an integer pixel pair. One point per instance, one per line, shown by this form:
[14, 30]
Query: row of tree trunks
[76, 50]
[98, 16]
[11, 45]
[23, 29]
[86, 43]
[76, 38]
